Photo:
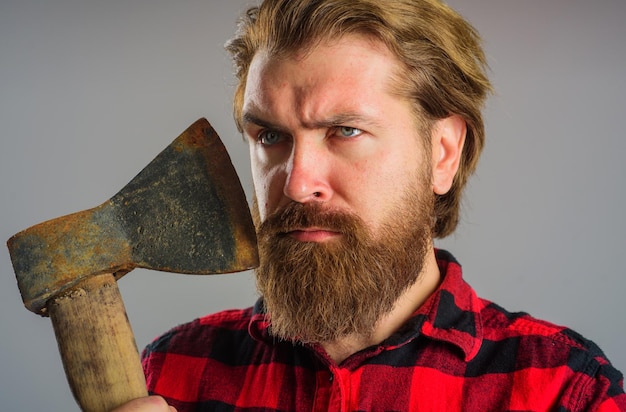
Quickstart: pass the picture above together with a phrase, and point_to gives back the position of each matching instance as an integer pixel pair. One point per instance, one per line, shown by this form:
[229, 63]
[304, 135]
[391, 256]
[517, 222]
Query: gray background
[91, 91]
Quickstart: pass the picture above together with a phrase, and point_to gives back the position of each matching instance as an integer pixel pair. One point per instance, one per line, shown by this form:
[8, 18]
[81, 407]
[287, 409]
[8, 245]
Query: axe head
[185, 212]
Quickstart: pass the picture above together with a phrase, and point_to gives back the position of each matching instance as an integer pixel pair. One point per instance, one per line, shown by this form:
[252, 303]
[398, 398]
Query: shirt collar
[259, 323]
[451, 314]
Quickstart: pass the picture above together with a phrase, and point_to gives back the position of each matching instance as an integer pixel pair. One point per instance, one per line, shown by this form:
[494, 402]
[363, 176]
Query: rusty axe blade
[185, 212]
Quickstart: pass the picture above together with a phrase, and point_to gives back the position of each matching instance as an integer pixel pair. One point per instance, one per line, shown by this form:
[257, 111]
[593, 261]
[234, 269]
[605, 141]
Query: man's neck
[406, 305]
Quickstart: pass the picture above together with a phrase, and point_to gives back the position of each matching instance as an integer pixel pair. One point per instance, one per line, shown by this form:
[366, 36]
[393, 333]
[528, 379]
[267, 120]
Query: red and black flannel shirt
[458, 353]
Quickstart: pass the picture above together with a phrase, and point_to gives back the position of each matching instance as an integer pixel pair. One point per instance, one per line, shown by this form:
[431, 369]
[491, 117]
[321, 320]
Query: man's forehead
[339, 85]
[267, 56]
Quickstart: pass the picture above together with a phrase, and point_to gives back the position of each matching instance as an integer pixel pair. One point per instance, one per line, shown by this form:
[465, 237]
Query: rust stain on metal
[184, 212]
[55, 255]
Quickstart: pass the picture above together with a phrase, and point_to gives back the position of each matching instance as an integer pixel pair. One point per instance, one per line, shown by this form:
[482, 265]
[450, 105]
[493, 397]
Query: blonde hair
[440, 53]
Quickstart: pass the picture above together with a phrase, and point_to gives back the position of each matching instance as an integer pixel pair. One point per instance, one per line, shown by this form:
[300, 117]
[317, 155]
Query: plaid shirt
[457, 353]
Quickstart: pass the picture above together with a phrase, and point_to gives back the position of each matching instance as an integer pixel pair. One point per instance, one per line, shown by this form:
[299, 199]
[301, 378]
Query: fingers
[147, 404]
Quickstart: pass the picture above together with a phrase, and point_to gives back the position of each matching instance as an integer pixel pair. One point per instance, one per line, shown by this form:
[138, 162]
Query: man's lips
[313, 234]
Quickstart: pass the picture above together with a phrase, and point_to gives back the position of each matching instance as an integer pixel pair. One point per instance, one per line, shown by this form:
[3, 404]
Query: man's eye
[345, 131]
[269, 137]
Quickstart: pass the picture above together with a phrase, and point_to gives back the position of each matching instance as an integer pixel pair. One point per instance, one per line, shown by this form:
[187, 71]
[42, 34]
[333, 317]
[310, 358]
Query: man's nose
[307, 179]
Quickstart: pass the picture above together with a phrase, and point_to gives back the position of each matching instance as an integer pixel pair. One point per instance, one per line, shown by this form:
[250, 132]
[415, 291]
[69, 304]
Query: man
[364, 122]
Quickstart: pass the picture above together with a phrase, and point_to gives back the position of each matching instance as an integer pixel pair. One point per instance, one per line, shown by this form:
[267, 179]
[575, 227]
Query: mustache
[297, 216]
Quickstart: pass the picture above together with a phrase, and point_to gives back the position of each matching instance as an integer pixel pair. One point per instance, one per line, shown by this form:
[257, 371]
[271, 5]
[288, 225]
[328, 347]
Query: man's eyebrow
[249, 118]
[342, 119]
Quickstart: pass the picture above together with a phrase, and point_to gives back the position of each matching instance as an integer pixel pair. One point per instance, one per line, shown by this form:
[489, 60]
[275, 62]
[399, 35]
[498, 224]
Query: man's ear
[448, 138]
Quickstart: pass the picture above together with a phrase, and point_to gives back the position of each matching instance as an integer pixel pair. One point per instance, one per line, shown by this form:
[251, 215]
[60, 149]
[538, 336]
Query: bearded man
[363, 120]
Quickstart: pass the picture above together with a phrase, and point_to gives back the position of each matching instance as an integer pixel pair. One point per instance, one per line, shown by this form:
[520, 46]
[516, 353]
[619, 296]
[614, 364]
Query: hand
[147, 404]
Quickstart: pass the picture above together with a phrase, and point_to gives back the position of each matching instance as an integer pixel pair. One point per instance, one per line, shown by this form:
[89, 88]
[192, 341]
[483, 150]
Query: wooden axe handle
[97, 344]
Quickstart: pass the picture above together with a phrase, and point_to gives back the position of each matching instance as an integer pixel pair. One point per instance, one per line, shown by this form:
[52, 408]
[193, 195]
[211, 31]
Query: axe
[185, 212]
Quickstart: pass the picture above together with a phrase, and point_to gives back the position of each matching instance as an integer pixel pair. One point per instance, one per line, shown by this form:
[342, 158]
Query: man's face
[342, 183]
[324, 127]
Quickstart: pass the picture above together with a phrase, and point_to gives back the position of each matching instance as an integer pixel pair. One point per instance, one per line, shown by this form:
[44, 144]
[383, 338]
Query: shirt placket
[334, 391]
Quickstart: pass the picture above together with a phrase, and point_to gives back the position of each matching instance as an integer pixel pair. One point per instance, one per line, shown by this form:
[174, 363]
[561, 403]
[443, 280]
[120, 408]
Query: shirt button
[331, 377]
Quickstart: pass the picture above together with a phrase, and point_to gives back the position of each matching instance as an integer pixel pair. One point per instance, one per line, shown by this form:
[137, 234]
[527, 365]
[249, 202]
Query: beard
[321, 292]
